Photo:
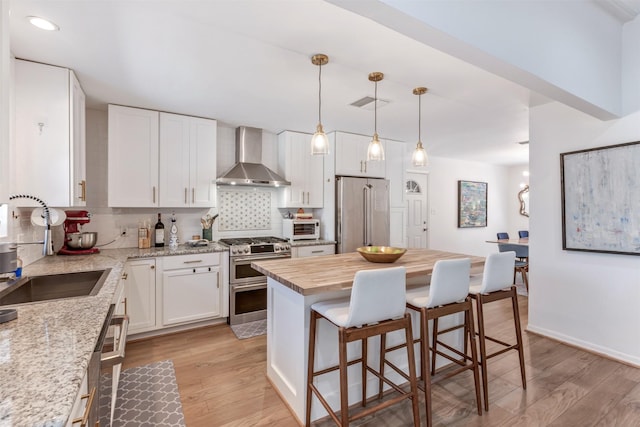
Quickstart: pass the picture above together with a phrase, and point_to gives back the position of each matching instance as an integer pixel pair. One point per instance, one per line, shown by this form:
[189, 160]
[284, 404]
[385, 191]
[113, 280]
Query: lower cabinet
[191, 293]
[140, 290]
[315, 250]
[175, 290]
[80, 405]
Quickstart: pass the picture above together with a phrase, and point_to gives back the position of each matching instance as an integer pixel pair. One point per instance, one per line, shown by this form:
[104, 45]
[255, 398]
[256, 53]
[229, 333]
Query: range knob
[246, 250]
[234, 251]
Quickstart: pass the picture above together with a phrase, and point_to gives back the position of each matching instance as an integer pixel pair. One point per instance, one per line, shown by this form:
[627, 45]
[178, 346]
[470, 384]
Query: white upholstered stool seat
[376, 307]
[447, 294]
[497, 284]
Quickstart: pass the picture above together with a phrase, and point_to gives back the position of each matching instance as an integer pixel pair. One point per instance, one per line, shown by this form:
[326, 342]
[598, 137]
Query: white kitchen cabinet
[187, 161]
[192, 288]
[140, 290]
[80, 404]
[303, 170]
[49, 135]
[133, 157]
[351, 156]
[314, 250]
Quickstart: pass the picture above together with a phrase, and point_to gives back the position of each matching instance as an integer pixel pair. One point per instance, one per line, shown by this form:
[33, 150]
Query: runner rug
[147, 396]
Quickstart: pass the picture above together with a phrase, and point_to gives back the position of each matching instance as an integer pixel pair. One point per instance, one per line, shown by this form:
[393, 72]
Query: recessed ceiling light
[42, 23]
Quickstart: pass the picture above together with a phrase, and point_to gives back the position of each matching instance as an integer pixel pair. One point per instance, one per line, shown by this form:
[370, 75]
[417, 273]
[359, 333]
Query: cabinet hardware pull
[185, 195]
[193, 261]
[83, 191]
[154, 194]
[317, 252]
[124, 276]
[193, 195]
[152, 267]
[126, 311]
[85, 416]
[194, 270]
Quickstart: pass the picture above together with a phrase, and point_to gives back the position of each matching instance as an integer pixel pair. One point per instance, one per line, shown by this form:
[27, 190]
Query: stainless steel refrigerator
[362, 212]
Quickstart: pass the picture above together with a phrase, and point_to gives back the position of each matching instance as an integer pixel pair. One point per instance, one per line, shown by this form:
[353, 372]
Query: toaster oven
[301, 229]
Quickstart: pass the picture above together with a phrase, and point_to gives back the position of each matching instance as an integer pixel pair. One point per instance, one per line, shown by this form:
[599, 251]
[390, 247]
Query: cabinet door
[190, 294]
[175, 191]
[303, 170]
[203, 134]
[42, 145]
[78, 171]
[140, 290]
[133, 157]
[351, 156]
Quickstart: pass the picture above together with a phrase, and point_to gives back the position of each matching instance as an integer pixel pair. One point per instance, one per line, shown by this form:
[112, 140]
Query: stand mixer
[72, 226]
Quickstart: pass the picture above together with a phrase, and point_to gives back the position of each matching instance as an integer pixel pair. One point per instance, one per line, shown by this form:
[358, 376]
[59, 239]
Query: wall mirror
[523, 196]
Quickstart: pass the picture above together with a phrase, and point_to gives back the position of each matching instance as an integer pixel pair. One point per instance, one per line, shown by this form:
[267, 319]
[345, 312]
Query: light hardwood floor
[222, 382]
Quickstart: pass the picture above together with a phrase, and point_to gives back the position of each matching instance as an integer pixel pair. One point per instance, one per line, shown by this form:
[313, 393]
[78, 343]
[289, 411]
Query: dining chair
[497, 285]
[523, 233]
[521, 265]
[447, 294]
[376, 307]
[503, 236]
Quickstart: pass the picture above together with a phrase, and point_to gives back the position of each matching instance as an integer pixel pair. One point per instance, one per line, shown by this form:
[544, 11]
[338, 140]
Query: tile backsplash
[244, 210]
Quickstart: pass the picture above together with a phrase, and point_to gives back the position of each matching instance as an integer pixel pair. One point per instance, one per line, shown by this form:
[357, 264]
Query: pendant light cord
[419, 118]
[375, 109]
[320, 94]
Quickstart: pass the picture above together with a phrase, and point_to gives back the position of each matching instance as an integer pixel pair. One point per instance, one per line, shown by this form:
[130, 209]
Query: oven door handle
[248, 287]
[266, 258]
[116, 356]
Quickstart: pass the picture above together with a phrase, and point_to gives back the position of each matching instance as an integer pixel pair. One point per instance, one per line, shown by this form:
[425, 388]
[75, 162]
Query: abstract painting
[601, 199]
[472, 204]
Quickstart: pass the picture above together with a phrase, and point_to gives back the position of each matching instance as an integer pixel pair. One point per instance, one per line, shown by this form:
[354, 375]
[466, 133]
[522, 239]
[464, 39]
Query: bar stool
[497, 285]
[376, 307]
[447, 294]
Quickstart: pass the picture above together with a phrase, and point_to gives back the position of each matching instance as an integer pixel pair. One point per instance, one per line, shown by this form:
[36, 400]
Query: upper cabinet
[351, 156]
[49, 135]
[160, 159]
[133, 157]
[303, 170]
[187, 161]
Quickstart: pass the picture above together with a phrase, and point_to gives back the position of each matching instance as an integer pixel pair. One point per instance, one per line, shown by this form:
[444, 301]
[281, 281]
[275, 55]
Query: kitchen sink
[54, 286]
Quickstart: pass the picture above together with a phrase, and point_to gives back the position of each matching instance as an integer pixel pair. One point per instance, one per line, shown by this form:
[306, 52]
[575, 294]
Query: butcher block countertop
[316, 275]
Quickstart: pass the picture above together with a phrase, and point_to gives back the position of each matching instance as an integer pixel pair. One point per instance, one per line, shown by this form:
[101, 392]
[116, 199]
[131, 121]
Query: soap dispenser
[173, 233]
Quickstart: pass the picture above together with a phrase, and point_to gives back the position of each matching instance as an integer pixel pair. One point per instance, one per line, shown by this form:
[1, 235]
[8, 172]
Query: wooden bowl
[381, 253]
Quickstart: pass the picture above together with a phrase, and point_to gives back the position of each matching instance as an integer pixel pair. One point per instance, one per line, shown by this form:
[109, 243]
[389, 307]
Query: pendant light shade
[419, 157]
[375, 151]
[319, 141]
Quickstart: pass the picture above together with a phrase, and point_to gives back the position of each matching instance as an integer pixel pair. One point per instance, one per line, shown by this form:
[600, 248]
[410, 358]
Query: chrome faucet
[47, 247]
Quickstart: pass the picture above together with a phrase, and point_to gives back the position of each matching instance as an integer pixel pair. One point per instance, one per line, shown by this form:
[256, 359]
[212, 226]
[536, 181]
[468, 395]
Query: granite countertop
[45, 352]
[318, 242]
[316, 275]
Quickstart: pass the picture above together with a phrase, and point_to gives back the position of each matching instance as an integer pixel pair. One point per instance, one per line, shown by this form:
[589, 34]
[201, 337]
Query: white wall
[444, 233]
[587, 299]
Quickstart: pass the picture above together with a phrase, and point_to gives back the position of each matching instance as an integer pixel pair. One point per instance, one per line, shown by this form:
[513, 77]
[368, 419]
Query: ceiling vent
[367, 103]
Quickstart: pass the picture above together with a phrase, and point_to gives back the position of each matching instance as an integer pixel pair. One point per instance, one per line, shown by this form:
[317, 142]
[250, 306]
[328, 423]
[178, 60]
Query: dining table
[522, 242]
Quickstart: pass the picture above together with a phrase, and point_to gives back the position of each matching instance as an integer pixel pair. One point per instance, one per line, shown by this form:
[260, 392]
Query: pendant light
[319, 141]
[375, 151]
[419, 155]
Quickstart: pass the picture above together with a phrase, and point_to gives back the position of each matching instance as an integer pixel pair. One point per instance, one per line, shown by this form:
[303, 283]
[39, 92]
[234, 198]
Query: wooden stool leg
[426, 374]
[434, 346]
[344, 398]
[363, 343]
[468, 315]
[516, 321]
[383, 355]
[311, 361]
[412, 370]
[483, 350]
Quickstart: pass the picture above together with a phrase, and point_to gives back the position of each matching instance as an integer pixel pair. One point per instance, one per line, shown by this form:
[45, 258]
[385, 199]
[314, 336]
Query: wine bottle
[159, 233]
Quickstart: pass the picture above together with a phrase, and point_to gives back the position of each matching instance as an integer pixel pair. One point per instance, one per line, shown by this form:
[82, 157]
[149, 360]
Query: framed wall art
[472, 204]
[601, 199]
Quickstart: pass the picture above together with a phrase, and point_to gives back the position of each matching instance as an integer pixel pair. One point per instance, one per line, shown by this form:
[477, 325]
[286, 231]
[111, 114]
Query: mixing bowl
[83, 240]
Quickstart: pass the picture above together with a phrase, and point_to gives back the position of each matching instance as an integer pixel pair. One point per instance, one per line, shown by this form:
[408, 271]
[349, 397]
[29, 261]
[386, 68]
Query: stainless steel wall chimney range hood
[248, 170]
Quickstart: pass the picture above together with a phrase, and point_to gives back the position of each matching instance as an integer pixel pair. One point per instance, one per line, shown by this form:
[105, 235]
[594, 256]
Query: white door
[417, 214]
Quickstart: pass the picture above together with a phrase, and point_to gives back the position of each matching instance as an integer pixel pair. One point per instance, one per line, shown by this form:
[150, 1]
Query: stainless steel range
[248, 287]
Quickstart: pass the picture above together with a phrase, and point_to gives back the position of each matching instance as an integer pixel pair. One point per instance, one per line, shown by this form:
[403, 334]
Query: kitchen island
[293, 286]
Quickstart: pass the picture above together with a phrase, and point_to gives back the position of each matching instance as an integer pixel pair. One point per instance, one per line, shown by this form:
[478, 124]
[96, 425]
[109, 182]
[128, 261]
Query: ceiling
[247, 62]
